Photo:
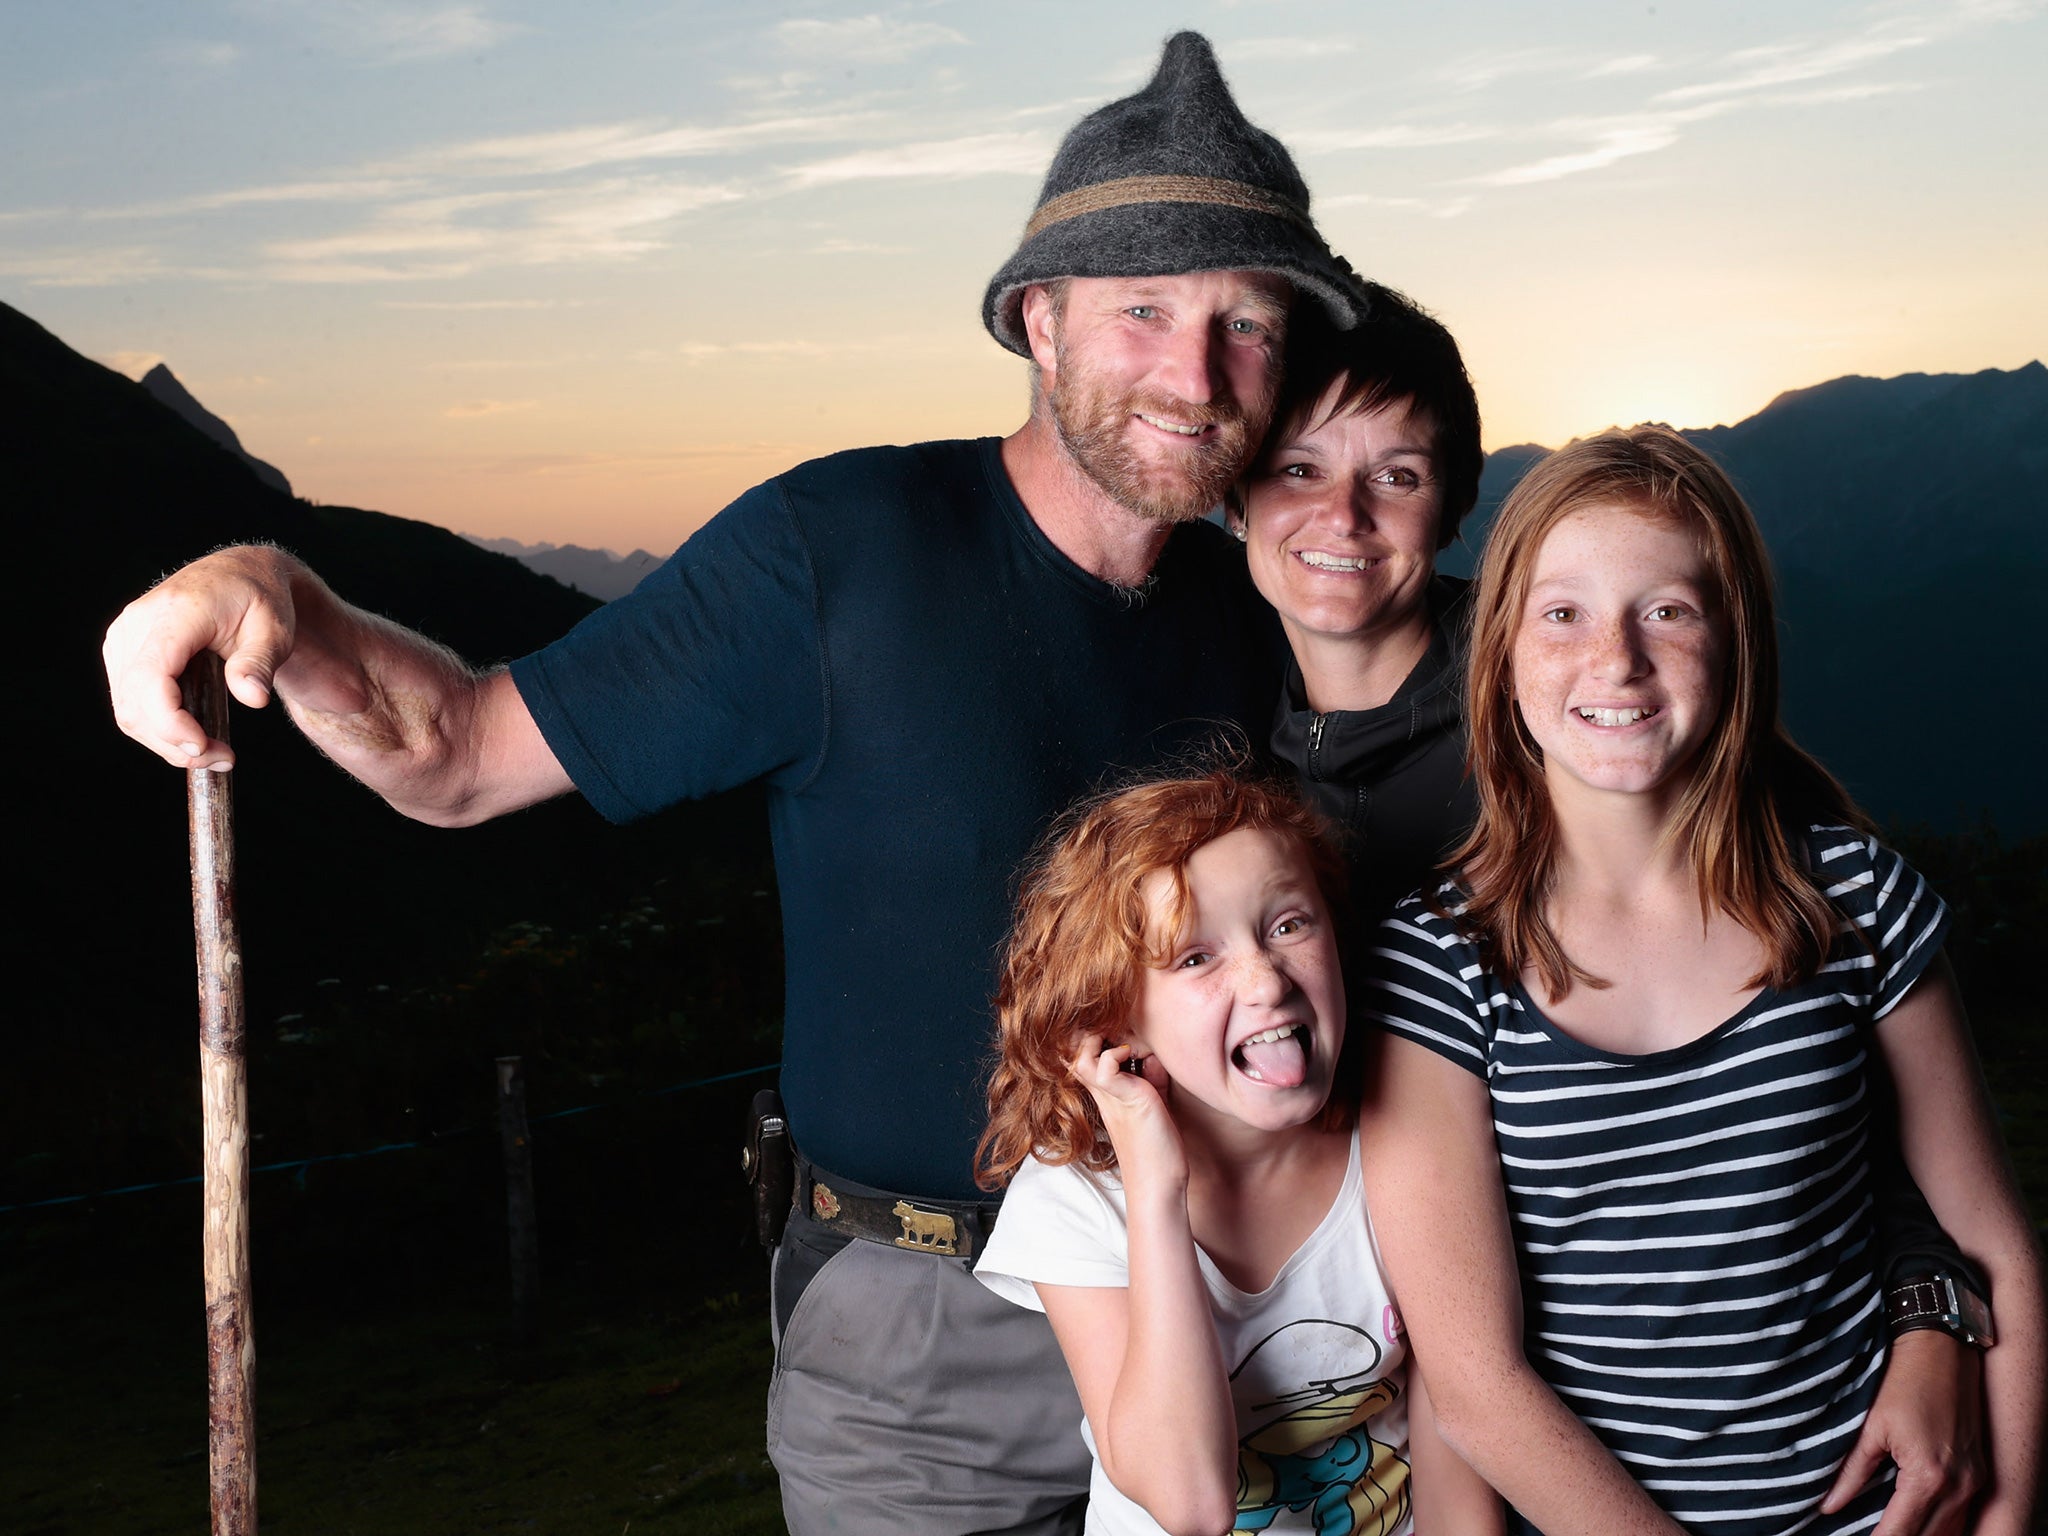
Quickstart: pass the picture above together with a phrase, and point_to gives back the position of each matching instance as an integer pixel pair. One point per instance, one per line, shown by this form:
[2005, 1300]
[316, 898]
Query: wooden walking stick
[224, 1097]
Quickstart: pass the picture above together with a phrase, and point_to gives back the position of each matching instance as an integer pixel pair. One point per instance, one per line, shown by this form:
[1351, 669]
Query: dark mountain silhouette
[1908, 521]
[599, 572]
[113, 489]
[164, 386]
[1907, 516]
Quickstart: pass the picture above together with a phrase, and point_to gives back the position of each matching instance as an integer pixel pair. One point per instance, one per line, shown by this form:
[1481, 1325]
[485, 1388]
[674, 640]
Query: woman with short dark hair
[1372, 463]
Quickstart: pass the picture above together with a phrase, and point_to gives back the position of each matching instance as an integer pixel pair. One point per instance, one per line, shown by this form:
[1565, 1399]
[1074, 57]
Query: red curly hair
[1072, 964]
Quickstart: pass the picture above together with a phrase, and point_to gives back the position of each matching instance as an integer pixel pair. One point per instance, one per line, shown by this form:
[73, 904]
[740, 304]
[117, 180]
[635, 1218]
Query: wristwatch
[1935, 1300]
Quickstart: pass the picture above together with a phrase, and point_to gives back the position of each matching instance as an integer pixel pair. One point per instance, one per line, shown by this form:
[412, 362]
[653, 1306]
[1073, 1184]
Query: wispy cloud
[458, 235]
[1793, 71]
[1618, 141]
[872, 39]
[471, 409]
[1396, 136]
[202, 54]
[588, 193]
[1287, 47]
[1627, 64]
[1367, 200]
[344, 189]
[1065, 109]
[481, 304]
[653, 466]
[134, 364]
[1795, 63]
[610, 191]
[425, 226]
[1834, 95]
[391, 31]
[73, 268]
[985, 154]
[557, 152]
[1997, 10]
[764, 90]
[707, 351]
[493, 364]
[593, 145]
[1435, 208]
[1483, 71]
[811, 350]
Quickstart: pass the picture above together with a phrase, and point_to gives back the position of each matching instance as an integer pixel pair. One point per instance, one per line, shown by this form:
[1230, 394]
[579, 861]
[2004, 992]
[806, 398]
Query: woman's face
[1341, 521]
[1619, 653]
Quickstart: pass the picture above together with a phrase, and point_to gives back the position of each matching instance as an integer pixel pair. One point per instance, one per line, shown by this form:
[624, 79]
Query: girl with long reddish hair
[1173, 1113]
[1616, 1124]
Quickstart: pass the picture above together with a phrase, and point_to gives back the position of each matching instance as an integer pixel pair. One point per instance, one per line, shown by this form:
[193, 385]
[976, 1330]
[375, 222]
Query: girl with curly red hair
[1174, 1115]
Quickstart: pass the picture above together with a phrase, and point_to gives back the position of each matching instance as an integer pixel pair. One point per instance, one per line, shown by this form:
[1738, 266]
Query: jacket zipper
[1315, 746]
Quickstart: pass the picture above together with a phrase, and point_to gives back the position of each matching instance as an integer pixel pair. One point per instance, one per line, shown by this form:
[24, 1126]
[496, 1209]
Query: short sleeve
[1422, 981]
[706, 676]
[1898, 924]
[1059, 1226]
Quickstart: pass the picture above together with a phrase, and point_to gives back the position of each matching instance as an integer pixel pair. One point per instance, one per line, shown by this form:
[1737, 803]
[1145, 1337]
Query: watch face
[1972, 1312]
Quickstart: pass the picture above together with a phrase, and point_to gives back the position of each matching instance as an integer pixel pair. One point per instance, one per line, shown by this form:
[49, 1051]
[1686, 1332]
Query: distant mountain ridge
[1907, 517]
[115, 488]
[600, 573]
[164, 385]
[1908, 522]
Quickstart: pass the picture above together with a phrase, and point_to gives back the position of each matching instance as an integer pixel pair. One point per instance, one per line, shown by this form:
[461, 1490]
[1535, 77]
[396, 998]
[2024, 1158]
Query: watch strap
[1937, 1301]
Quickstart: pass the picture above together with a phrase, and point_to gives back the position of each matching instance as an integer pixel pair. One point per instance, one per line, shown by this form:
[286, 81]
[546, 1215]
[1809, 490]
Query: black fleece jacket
[1392, 779]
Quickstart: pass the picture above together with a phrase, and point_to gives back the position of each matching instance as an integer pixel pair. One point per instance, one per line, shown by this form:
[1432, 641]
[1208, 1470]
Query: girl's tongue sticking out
[1279, 1057]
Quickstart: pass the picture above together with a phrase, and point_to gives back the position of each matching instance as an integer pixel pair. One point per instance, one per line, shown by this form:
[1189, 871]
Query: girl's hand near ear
[1145, 1357]
[1134, 1111]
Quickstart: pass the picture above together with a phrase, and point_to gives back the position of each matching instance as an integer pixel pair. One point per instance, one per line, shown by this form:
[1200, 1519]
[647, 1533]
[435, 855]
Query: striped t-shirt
[1693, 1225]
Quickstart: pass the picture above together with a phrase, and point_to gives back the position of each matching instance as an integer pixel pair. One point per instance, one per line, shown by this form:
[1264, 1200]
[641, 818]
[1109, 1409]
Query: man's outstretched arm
[441, 742]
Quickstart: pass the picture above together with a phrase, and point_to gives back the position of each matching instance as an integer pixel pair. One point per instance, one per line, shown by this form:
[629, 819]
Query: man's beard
[1095, 427]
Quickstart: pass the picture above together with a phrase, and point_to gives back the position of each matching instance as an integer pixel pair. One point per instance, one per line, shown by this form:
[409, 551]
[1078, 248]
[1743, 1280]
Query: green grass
[425, 1421]
[648, 1423]
[392, 1397]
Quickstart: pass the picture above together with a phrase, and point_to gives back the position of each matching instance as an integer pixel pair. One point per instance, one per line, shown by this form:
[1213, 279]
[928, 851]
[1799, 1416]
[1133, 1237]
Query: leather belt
[943, 1228]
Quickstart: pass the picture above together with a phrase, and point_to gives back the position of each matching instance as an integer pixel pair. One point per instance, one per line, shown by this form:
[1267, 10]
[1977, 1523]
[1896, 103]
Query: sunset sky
[582, 273]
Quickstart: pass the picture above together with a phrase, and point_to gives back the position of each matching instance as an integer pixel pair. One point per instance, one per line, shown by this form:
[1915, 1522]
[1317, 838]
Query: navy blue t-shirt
[922, 680]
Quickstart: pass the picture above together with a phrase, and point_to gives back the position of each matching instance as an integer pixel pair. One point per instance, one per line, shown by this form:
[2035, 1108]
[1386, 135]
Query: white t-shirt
[1316, 1360]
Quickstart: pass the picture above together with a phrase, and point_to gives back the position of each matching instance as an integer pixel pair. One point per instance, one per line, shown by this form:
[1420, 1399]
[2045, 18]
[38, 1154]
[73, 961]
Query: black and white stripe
[1693, 1226]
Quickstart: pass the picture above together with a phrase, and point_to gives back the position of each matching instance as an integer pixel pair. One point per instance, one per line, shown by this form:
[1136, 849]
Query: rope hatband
[1125, 191]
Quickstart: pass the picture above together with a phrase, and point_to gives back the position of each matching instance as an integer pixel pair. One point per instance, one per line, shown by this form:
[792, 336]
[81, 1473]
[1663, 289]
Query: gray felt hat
[1173, 179]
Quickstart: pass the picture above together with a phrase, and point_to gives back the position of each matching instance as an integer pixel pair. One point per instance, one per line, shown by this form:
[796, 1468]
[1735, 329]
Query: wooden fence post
[224, 1108]
[521, 1224]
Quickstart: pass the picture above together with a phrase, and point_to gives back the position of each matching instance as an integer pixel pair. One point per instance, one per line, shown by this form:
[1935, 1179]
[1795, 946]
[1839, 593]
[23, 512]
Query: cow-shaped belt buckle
[927, 1231]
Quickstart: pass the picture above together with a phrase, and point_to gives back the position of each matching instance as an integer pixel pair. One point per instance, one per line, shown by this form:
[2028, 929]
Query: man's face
[1161, 387]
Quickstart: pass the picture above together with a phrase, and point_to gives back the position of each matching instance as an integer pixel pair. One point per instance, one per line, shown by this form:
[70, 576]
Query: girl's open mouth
[1277, 1057]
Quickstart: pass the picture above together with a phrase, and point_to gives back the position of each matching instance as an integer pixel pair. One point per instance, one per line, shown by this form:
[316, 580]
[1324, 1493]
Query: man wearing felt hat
[924, 653]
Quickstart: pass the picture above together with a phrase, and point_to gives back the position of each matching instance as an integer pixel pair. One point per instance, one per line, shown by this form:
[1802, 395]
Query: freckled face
[1247, 1015]
[1341, 521]
[1620, 653]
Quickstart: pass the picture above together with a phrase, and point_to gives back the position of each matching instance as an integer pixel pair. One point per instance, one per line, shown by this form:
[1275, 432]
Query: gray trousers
[908, 1398]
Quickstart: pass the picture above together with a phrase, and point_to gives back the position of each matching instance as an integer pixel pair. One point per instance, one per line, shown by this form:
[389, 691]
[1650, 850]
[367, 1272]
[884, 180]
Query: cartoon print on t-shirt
[1307, 1391]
